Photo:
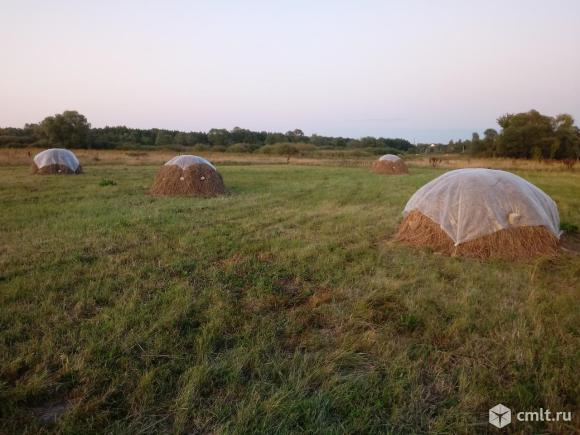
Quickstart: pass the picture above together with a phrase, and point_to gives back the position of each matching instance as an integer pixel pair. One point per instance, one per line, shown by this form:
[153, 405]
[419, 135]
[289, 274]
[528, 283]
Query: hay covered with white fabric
[390, 164]
[55, 161]
[188, 175]
[482, 213]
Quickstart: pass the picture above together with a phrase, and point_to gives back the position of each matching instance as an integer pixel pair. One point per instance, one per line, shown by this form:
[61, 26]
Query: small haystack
[56, 161]
[188, 176]
[390, 164]
[482, 213]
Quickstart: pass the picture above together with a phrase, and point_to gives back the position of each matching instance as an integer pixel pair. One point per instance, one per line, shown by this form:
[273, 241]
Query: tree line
[72, 130]
[528, 135]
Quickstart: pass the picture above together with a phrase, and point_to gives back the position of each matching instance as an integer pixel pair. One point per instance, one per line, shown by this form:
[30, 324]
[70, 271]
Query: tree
[295, 135]
[490, 141]
[567, 143]
[68, 129]
[182, 138]
[476, 144]
[163, 137]
[527, 135]
[368, 142]
[218, 136]
[272, 138]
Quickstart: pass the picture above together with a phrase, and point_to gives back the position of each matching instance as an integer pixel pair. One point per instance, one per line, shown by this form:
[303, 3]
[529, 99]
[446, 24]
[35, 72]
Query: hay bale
[188, 177]
[56, 161]
[390, 164]
[55, 169]
[519, 243]
[482, 213]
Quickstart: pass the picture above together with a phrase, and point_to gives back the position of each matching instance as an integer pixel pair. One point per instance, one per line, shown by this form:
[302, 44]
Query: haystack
[56, 161]
[188, 176]
[390, 164]
[482, 213]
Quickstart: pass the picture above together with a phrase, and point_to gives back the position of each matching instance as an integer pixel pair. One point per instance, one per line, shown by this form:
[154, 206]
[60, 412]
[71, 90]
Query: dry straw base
[520, 243]
[389, 167]
[195, 180]
[55, 169]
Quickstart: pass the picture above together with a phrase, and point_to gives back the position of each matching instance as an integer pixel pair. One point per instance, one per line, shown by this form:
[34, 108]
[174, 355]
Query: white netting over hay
[57, 156]
[472, 203]
[186, 161]
[390, 158]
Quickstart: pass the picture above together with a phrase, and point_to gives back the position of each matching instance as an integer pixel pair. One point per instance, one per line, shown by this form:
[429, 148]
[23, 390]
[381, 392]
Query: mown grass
[280, 307]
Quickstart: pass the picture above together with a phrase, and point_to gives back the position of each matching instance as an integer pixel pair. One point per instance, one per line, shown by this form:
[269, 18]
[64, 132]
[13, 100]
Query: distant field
[23, 156]
[281, 306]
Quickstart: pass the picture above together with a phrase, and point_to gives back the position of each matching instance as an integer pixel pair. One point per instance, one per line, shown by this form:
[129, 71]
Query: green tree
[477, 146]
[528, 135]
[567, 142]
[163, 138]
[68, 129]
[182, 138]
[218, 136]
[490, 141]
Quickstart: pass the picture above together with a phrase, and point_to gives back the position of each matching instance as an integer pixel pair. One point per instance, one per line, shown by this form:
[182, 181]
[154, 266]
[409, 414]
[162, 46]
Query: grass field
[283, 306]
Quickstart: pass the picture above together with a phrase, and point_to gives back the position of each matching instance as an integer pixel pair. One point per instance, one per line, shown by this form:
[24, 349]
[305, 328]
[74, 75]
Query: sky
[427, 71]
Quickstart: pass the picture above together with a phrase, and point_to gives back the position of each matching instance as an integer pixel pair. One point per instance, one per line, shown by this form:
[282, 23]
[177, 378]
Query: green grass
[280, 307]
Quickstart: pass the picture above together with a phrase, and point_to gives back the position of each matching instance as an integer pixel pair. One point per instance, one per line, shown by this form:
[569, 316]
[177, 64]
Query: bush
[304, 148]
[201, 147]
[240, 148]
[15, 141]
[281, 149]
[178, 148]
[107, 145]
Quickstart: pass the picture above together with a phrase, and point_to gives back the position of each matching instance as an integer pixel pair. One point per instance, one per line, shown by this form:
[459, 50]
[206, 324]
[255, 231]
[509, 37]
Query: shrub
[240, 148]
[201, 147]
[282, 149]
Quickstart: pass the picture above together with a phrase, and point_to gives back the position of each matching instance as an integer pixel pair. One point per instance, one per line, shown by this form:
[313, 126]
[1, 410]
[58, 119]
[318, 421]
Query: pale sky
[423, 70]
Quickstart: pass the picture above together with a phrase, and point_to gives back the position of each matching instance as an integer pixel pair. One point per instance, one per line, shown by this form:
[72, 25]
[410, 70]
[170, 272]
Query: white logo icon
[500, 416]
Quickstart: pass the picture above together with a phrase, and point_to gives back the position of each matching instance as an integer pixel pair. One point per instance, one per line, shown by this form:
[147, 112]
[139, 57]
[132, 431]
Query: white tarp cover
[57, 156]
[186, 161]
[390, 158]
[472, 203]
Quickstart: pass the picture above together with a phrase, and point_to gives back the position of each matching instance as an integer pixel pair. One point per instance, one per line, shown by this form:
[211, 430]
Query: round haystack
[390, 164]
[58, 161]
[188, 176]
[482, 213]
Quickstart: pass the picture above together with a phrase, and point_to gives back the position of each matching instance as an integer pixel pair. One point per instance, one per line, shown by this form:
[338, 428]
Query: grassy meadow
[280, 307]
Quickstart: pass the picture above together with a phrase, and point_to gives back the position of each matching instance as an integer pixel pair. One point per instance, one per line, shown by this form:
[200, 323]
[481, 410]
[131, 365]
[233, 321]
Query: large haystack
[390, 164]
[57, 161]
[188, 176]
[482, 213]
